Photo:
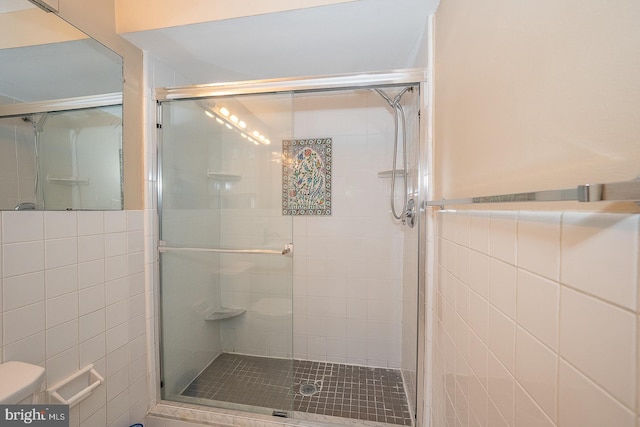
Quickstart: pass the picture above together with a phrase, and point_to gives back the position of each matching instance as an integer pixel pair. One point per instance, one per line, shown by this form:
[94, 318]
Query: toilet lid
[18, 380]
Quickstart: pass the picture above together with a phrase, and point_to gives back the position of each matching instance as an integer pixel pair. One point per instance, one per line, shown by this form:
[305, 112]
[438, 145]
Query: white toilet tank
[19, 382]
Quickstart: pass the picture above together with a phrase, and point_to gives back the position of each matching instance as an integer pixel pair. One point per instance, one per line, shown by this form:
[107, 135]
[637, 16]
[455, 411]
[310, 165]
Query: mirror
[60, 114]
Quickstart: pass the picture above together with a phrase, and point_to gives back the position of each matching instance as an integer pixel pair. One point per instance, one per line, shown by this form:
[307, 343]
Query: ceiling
[359, 36]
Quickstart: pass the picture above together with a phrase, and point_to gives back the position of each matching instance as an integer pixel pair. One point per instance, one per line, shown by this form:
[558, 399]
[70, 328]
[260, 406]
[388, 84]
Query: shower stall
[290, 258]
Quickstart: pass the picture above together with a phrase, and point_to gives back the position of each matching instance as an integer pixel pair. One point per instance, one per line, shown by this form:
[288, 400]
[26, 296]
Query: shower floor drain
[308, 389]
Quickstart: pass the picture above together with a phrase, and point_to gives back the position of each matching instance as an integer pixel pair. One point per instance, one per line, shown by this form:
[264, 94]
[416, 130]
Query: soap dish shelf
[225, 313]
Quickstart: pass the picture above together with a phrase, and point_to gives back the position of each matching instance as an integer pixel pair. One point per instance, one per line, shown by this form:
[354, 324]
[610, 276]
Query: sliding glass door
[226, 253]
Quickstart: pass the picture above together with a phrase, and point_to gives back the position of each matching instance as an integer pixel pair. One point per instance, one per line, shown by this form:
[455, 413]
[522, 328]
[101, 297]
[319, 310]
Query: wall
[535, 95]
[348, 267]
[146, 15]
[535, 314]
[72, 292]
[536, 319]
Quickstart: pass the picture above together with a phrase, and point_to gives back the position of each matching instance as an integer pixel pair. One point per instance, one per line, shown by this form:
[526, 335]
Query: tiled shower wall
[73, 293]
[536, 319]
[348, 266]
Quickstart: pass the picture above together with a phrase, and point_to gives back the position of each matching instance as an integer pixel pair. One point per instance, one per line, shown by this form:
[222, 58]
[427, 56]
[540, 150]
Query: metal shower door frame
[391, 78]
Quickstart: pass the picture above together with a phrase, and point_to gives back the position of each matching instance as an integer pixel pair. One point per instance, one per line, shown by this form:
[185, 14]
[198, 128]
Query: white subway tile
[582, 403]
[502, 287]
[23, 322]
[59, 224]
[29, 350]
[479, 315]
[117, 383]
[356, 350]
[528, 413]
[115, 244]
[91, 247]
[61, 252]
[501, 392]
[60, 281]
[20, 227]
[62, 365]
[502, 332]
[479, 231]
[137, 327]
[23, 290]
[22, 258]
[502, 235]
[97, 418]
[336, 348]
[356, 309]
[90, 273]
[61, 309]
[600, 340]
[538, 307]
[336, 328]
[90, 222]
[62, 337]
[92, 349]
[600, 255]
[135, 265]
[116, 408]
[357, 329]
[116, 291]
[478, 359]
[537, 371]
[117, 337]
[479, 271]
[135, 220]
[117, 313]
[91, 325]
[478, 400]
[115, 268]
[115, 221]
[539, 243]
[384, 310]
[91, 299]
[135, 241]
[95, 402]
[462, 300]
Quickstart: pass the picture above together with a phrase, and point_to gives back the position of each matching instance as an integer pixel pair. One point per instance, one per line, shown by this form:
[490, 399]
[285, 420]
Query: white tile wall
[348, 267]
[57, 310]
[544, 329]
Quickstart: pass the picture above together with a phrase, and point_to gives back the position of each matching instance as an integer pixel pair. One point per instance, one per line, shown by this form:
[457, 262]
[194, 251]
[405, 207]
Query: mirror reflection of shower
[38, 124]
[407, 213]
[62, 160]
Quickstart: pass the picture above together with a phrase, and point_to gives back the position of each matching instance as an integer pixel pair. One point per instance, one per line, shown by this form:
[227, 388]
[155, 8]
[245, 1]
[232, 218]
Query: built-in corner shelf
[389, 173]
[225, 313]
[224, 176]
[71, 180]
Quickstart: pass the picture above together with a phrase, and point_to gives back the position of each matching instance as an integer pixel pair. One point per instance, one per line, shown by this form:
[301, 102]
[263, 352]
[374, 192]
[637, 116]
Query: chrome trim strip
[64, 104]
[296, 84]
[612, 192]
[285, 251]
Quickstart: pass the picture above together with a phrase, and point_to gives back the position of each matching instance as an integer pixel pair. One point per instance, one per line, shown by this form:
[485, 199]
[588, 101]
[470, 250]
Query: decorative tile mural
[306, 176]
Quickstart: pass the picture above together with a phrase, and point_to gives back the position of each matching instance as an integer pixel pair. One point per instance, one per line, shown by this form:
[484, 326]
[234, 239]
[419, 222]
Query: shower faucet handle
[409, 217]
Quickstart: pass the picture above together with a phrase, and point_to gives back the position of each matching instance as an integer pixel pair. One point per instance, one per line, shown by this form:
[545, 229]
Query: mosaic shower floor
[330, 389]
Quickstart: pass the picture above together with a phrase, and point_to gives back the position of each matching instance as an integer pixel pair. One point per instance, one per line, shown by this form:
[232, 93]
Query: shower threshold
[305, 390]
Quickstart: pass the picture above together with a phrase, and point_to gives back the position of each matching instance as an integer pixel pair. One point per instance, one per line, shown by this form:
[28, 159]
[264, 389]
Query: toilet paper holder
[95, 380]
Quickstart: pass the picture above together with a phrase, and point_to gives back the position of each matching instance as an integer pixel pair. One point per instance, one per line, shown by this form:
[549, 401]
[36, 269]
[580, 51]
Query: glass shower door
[225, 253]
